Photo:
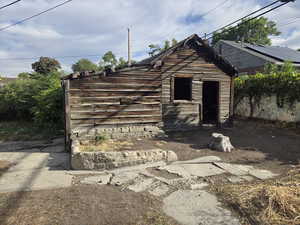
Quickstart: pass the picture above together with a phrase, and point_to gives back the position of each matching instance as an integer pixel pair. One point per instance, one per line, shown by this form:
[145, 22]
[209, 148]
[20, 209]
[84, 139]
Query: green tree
[84, 65]
[156, 49]
[256, 31]
[24, 75]
[108, 60]
[46, 65]
[298, 50]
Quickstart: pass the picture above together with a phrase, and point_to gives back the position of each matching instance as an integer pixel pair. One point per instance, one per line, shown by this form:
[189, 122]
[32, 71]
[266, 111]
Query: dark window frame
[185, 84]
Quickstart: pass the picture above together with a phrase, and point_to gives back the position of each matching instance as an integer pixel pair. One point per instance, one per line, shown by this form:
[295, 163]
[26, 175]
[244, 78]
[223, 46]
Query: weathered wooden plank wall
[189, 63]
[130, 97]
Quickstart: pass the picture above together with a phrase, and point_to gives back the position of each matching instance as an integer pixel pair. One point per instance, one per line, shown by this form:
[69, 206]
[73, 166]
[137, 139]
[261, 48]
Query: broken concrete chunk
[141, 185]
[123, 178]
[194, 207]
[237, 170]
[100, 179]
[160, 190]
[205, 159]
[262, 174]
[221, 143]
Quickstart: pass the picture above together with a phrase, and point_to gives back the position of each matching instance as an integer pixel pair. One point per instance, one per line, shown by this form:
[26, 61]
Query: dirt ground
[4, 165]
[258, 144]
[262, 145]
[101, 205]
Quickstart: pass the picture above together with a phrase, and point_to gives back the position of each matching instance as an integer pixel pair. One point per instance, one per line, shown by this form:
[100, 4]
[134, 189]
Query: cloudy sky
[90, 28]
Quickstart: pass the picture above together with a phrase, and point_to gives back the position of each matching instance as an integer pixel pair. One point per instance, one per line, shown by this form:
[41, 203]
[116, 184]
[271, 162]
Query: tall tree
[24, 75]
[84, 65]
[46, 65]
[156, 49]
[256, 31]
[108, 60]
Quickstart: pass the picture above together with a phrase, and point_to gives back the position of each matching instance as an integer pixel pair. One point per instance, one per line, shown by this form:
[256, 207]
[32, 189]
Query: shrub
[284, 82]
[38, 100]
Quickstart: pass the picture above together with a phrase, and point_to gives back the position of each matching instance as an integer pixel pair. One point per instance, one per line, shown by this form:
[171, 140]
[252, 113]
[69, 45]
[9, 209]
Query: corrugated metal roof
[281, 53]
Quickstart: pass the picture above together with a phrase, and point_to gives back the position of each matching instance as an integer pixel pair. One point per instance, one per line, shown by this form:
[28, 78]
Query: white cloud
[94, 27]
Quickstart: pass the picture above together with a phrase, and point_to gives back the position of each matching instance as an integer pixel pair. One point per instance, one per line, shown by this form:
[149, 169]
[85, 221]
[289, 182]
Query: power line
[38, 14]
[293, 21]
[243, 17]
[252, 18]
[2, 7]
[213, 9]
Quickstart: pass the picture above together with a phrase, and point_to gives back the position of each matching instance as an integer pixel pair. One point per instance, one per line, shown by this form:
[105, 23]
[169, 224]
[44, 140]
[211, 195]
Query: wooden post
[129, 48]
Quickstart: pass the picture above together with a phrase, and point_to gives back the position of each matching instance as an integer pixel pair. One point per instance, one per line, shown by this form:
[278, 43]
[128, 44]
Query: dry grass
[273, 202]
[107, 145]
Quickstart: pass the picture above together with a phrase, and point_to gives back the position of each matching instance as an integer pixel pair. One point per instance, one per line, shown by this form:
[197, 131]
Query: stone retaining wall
[268, 109]
[110, 160]
[118, 131]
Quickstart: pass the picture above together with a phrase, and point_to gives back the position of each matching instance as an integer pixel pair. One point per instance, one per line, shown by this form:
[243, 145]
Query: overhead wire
[250, 19]
[12, 3]
[33, 16]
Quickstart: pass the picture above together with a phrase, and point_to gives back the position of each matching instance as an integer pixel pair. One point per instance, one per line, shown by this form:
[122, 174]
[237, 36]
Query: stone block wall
[117, 132]
[268, 109]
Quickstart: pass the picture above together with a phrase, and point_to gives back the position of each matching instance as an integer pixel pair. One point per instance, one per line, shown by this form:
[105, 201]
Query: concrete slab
[99, 179]
[194, 207]
[141, 185]
[202, 170]
[124, 177]
[235, 179]
[205, 159]
[160, 190]
[188, 170]
[198, 186]
[247, 178]
[237, 170]
[138, 167]
[262, 174]
[175, 169]
[34, 179]
[34, 160]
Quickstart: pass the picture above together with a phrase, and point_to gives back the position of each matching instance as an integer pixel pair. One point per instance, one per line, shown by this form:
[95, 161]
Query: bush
[38, 100]
[284, 82]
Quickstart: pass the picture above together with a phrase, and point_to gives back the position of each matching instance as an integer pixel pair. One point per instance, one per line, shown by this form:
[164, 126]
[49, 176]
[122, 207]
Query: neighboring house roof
[274, 54]
[193, 41]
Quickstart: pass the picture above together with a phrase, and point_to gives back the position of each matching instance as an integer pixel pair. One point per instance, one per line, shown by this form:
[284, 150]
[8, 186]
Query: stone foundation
[110, 160]
[118, 131]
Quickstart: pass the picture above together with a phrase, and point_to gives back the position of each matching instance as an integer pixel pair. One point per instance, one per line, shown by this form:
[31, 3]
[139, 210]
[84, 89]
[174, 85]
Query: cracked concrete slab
[194, 207]
[124, 177]
[205, 159]
[262, 174]
[160, 190]
[188, 170]
[235, 169]
[141, 185]
[99, 179]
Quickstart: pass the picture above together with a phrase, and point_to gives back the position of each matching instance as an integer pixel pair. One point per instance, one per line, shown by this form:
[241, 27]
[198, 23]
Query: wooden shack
[181, 88]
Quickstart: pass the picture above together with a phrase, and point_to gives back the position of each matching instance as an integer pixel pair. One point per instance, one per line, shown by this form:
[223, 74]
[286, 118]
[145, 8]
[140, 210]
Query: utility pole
[129, 48]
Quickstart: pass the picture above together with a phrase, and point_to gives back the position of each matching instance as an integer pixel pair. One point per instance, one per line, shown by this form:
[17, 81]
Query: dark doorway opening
[210, 100]
[182, 88]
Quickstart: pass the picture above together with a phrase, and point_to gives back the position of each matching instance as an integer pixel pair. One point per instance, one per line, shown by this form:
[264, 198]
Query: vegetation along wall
[273, 95]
